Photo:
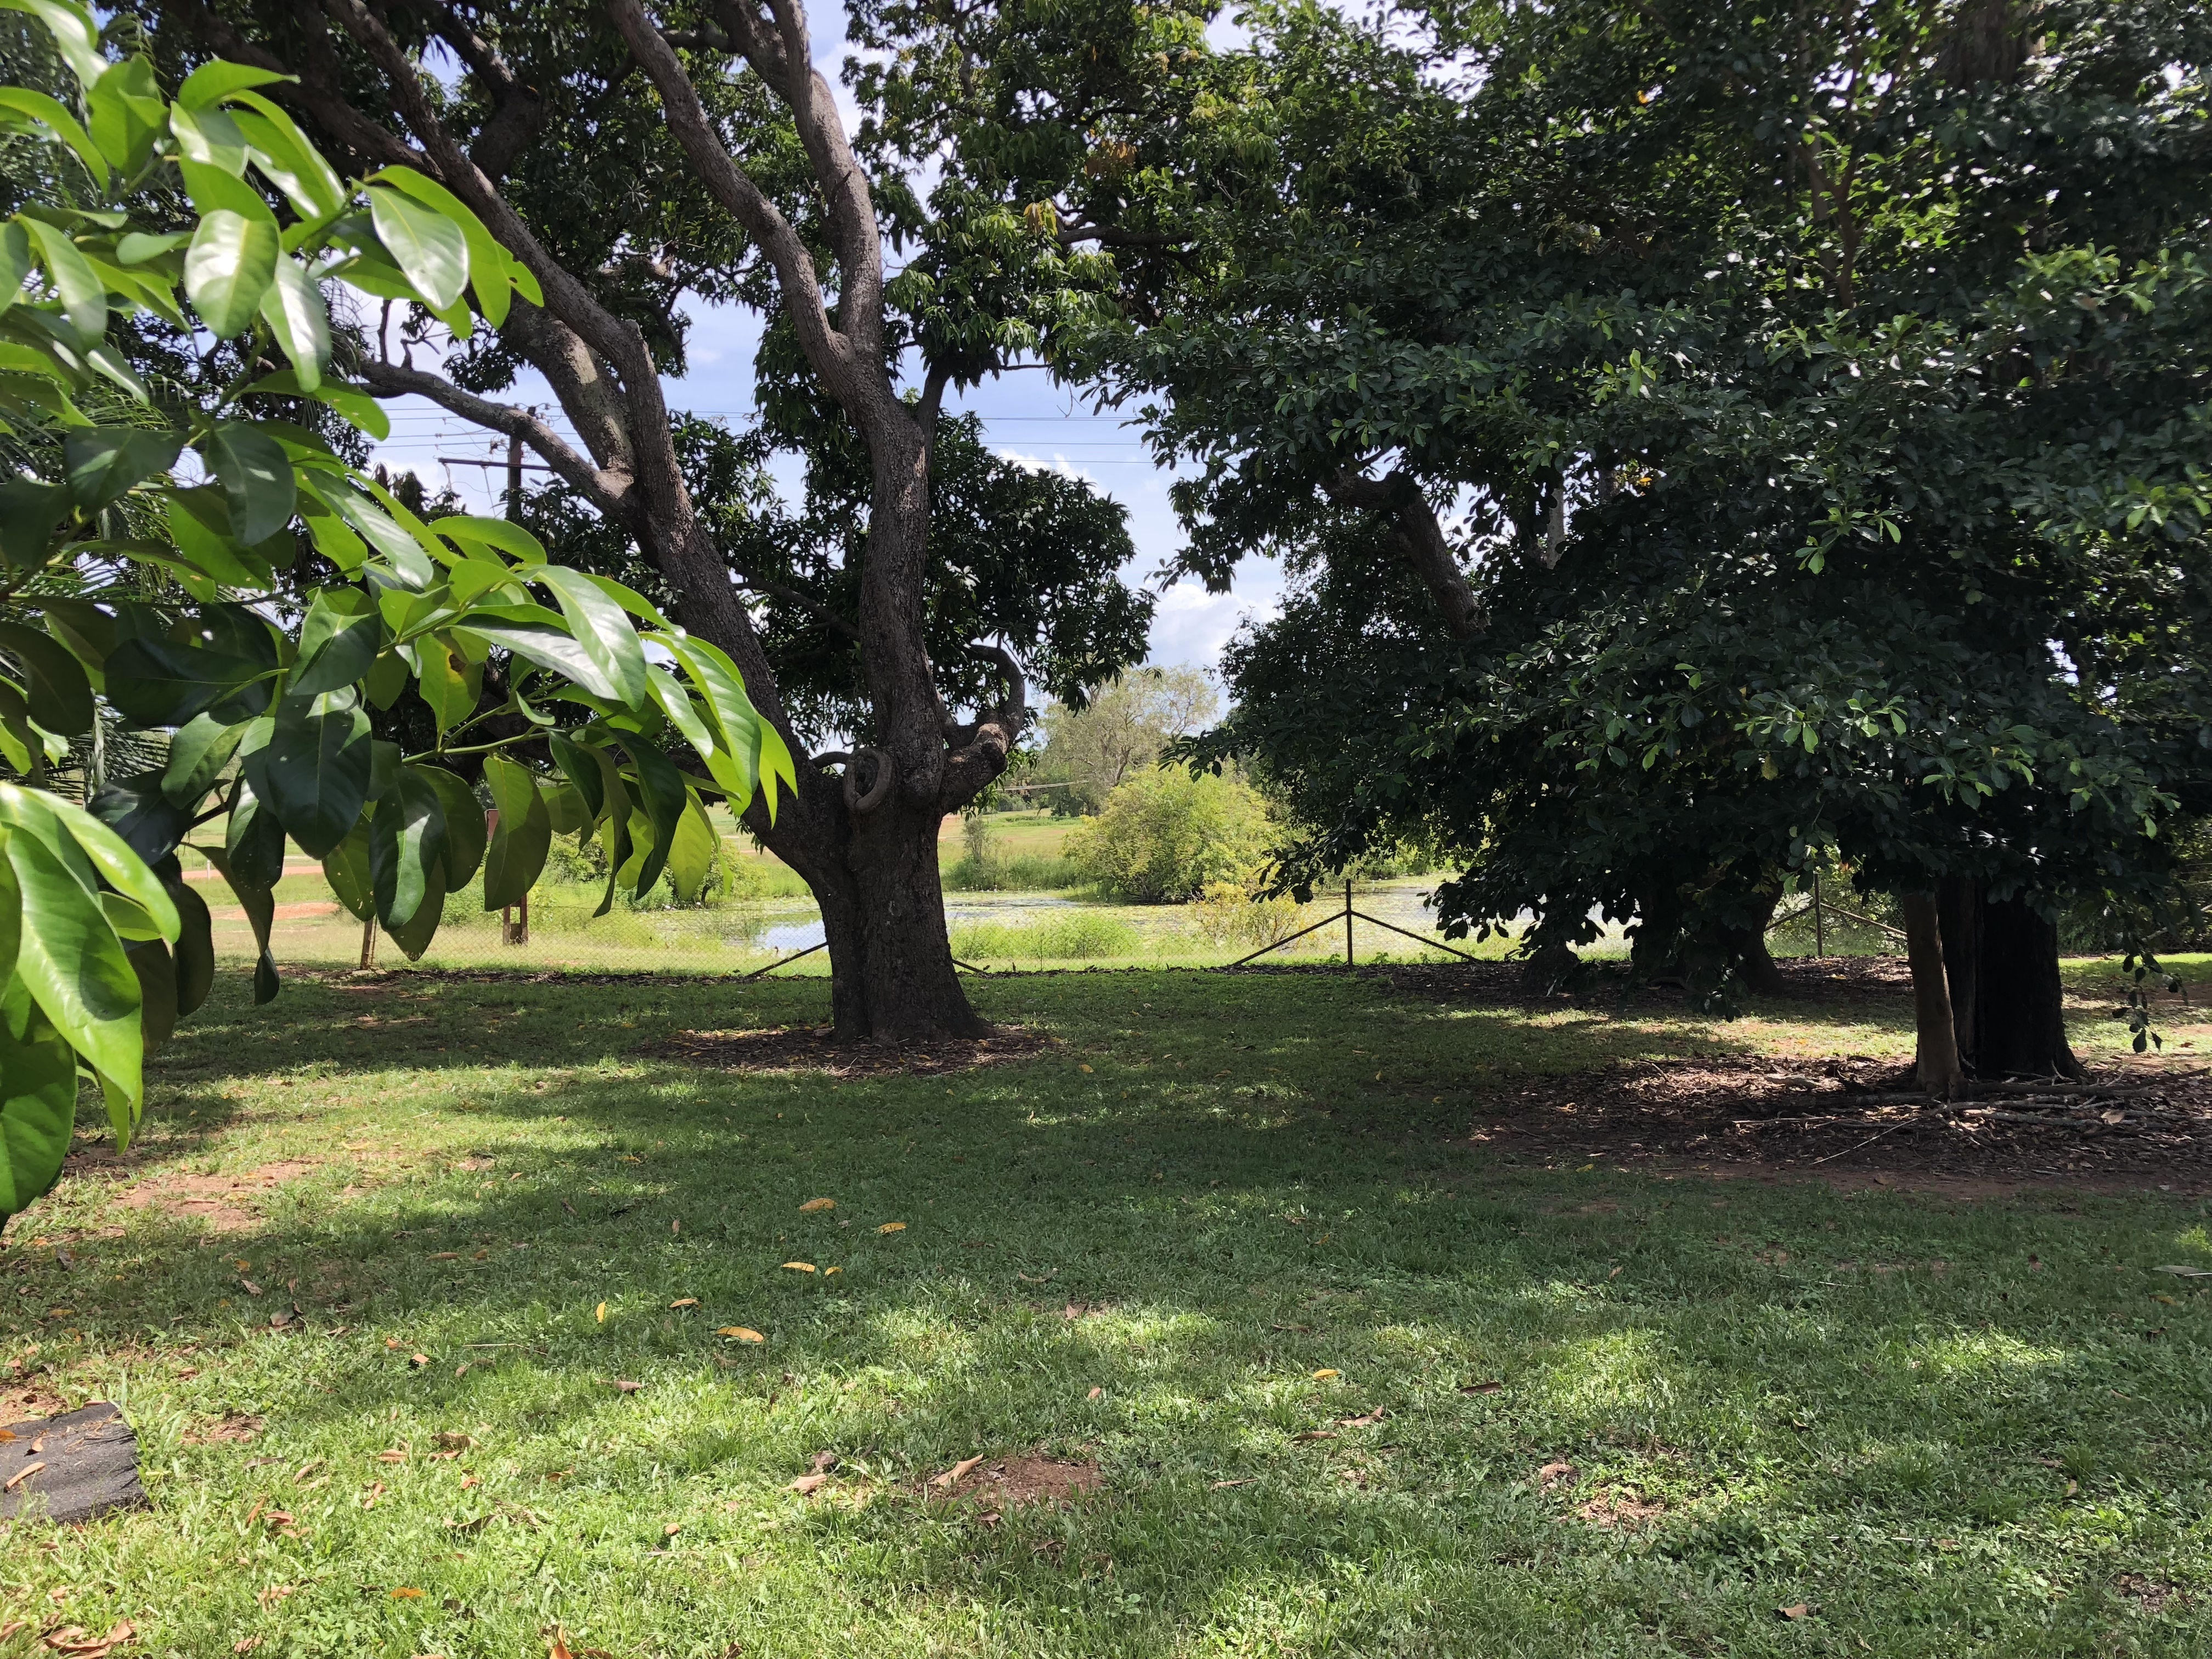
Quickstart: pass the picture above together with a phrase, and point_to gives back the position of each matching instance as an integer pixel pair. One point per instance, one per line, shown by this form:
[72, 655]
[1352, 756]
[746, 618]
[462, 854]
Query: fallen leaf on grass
[807, 1485]
[602, 1315]
[1557, 1474]
[245, 1645]
[446, 1255]
[621, 1385]
[2185, 1273]
[951, 1476]
[1483, 1388]
[1375, 1414]
[406, 1593]
[1324, 1375]
[1095, 1394]
[376, 1490]
[469, 1481]
[826, 1271]
[75, 1640]
[672, 1530]
[1223, 1486]
[743, 1333]
[1314, 1434]
[397, 1455]
[1795, 1611]
[892, 1227]
[686, 1302]
[1027, 1279]
[801, 1266]
[812, 1205]
[419, 1359]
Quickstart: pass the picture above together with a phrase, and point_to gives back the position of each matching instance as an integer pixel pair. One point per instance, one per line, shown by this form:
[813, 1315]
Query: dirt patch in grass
[232, 1428]
[214, 1199]
[814, 1049]
[1625, 1509]
[998, 1484]
[1831, 1119]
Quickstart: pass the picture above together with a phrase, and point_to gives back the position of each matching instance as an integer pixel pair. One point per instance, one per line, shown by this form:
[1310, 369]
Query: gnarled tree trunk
[1937, 1065]
[2008, 1004]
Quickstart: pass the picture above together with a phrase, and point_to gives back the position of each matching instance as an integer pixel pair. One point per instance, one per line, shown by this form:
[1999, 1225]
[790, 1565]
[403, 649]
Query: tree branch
[1419, 538]
[969, 768]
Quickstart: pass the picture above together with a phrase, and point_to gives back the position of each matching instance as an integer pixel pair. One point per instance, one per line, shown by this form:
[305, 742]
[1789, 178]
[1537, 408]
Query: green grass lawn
[1217, 1218]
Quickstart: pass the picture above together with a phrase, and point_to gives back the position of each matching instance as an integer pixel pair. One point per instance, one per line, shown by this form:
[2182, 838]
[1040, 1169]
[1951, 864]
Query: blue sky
[1025, 418]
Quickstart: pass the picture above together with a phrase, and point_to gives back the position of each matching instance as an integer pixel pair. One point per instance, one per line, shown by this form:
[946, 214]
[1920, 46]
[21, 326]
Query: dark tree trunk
[1937, 1065]
[1754, 962]
[2001, 959]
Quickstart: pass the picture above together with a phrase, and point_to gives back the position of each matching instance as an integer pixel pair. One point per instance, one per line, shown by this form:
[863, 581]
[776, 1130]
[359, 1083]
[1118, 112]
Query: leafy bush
[1079, 936]
[1225, 913]
[1163, 837]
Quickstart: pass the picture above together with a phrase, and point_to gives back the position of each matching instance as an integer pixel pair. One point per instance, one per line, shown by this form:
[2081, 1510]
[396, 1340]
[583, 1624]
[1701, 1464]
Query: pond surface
[1009, 908]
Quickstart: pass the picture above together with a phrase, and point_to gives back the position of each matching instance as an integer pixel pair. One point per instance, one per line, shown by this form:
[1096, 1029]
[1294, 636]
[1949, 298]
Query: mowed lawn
[1324, 1375]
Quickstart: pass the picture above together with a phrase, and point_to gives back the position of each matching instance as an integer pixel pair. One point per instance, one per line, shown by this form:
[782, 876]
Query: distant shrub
[1164, 835]
[1078, 936]
[1022, 872]
[1225, 913]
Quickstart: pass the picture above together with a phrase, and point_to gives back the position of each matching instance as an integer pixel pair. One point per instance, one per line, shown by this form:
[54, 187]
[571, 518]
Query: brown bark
[1754, 962]
[1419, 539]
[1935, 1065]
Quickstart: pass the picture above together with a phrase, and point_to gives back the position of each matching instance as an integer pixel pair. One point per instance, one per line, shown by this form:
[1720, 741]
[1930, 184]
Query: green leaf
[54, 682]
[137, 811]
[259, 903]
[127, 113]
[83, 296]
[662, 794]
[63, 126]
[602, 628]
[406, 847]
[386, 679]
[253, 840]
[212, 83]
[286, 158]
[691, 852]
[525, 836]
[464, 827]
[582, 766]
[413, 935]
[29, 510]
[443, 680]
[88, 631]
[544, 645]
[313, 771]
[195, 948]
[228, 268]
[346, 868]
[157, 682]
[11, 915]
[338, 641]
[430, 248]
[74, 966]
[257, 478]
[210, 138]
[358, 408]
[498, 534]
[565, 808]
[293, 308]
[38, 1091]
[157, 991]
[105, 461]
[487, 260]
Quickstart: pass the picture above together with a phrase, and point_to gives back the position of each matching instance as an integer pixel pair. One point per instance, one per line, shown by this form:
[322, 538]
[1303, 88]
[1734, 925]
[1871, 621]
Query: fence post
[368, 942]
[1347, 924]
[1819, 934]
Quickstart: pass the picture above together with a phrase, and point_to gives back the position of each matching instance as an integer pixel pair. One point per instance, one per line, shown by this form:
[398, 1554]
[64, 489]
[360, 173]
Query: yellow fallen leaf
[603, 1313]
[951, 1476]
[672, 1530]
[892, 1227]
[405, 1594]
[814, 1204]
[826, 1271]
[1086, 1068]
[1323, 1376]
[743, 1333]
[801, 1266]
[686, 1302]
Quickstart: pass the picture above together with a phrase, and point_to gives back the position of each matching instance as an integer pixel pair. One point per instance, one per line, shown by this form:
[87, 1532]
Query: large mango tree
[146, 535]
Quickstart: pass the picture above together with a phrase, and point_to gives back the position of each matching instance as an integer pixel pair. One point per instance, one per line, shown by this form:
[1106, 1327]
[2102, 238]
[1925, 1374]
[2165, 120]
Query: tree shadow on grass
[1233, 1270]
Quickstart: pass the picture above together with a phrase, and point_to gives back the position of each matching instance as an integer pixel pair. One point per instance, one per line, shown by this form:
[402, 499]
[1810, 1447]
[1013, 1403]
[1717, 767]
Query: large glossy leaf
[406, 847]
[209, 137]
[127, 113]
[229, 267]
[257, 479]
[525, 836]
[75, 33]
[487, 260]
[83, 296]
[614, 826]
[211, 82]
[157, 682]
[582, 768]
[252, 840]
[464, 827]
[662, 796]
[444, 682]
[73, 965]
[157, 990]
[56, 120]
[604, 629]
[89, 847]
[293, 308]
[54, 683]
[195, 948]
[139, 809]
[37, 1096]
[430, 248]
[198, 754]
[691, 852]
[11, 914]
[313, 771]
[346, 868]
[287, 159]
[259, 903]
[104, 463]
[29, 510]
[413, 935]
[338, 640]
[542, 644]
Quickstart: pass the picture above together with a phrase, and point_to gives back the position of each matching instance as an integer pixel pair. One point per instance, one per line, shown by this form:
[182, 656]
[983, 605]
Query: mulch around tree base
[1757, 1116]
[815, 1048]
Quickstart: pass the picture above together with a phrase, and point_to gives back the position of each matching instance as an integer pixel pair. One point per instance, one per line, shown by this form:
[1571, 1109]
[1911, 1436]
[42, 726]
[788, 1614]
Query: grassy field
[1325, 1375]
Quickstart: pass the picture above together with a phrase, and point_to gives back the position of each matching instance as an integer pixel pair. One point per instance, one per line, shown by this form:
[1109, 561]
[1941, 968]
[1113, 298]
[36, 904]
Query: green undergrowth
[1212, 1220]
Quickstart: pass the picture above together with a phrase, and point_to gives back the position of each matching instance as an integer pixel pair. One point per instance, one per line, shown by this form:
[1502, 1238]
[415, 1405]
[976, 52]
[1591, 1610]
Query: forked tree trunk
[1936, 1064]
[2008, 1003]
